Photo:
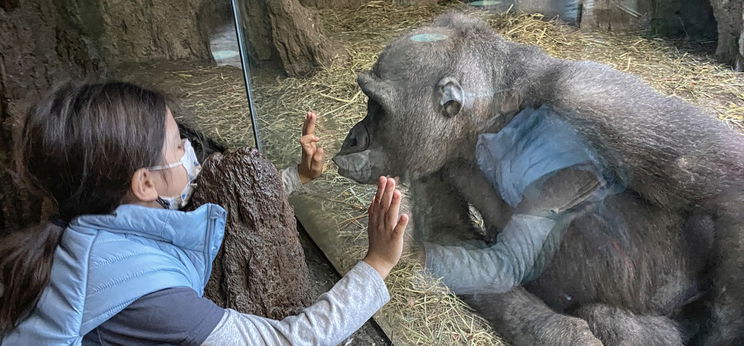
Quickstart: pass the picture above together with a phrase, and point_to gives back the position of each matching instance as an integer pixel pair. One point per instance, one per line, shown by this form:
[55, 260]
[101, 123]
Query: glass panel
[308, 58]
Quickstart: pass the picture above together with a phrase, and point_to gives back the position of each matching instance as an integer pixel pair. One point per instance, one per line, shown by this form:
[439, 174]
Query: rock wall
[44, 43]
[38, 48]
[144, 30]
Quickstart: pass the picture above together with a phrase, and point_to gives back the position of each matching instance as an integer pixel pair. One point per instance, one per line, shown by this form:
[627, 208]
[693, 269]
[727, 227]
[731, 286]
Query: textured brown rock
[260, 268]
[46, 42]
[143, 30]
[38, 48]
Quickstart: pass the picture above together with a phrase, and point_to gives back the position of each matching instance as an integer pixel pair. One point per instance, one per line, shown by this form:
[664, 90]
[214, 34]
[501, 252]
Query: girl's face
[172, 180]
[147, 185]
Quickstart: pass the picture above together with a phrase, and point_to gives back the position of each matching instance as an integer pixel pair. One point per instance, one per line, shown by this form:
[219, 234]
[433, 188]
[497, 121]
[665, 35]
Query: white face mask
[190, 162]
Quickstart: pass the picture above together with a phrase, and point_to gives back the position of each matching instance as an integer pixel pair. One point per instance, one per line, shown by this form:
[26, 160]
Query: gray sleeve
[514, 258]
[291, 179]
[334, 316]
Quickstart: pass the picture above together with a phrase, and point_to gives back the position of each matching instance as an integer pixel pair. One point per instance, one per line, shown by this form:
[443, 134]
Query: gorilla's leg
[524, 319]
[727, 312]
[439, 212]
[617, 326]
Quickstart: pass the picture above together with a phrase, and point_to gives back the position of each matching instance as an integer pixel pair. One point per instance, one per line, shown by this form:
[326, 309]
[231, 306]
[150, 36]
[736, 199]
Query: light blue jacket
[105, 262]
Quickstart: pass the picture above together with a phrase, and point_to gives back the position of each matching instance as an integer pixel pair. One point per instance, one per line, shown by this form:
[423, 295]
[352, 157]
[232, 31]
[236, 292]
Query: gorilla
[673, 275]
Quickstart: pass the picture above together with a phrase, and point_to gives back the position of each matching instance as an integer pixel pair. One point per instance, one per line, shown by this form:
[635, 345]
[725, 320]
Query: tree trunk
[286, 34]
[260, 268]
[730, 17]
[38, 48]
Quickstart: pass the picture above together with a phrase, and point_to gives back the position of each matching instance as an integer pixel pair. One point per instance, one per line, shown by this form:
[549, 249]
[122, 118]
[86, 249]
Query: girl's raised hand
[386, 228]
[311, 164]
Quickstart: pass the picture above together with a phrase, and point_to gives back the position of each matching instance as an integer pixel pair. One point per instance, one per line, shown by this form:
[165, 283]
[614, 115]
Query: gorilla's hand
[560, 194]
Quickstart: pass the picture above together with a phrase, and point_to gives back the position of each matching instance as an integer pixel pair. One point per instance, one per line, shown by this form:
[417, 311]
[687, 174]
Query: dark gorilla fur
[677, 276]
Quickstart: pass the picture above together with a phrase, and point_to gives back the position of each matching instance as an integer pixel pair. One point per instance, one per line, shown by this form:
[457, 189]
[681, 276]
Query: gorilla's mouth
[360, 176]
[355, 166]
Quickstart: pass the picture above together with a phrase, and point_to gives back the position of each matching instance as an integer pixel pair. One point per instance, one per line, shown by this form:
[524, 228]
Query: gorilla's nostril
[353, 142]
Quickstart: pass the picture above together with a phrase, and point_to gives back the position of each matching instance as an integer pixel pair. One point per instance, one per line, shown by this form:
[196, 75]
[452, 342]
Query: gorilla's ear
[376, 89]
[450, 96]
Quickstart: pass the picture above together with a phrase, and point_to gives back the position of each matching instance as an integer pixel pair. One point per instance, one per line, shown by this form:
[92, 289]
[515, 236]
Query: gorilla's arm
[473, 185]
[498, 268]
[527, 243]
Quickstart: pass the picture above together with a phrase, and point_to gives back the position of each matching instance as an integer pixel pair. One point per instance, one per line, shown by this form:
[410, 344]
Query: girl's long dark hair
[80, 146]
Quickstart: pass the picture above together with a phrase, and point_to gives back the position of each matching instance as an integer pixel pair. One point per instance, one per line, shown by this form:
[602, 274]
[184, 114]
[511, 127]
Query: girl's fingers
[318, 155]
[317, 162]
[309, 145]
[400, 228]
[383, 203]
[380, 189]
[308, 127]
[388, 195]
[392, 214]
[376, 200]
[304, 123]
[305, 144]
[309, 139]
[385, 199]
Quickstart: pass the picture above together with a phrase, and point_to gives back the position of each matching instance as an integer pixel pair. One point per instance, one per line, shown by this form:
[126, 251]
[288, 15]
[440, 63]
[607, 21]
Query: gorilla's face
[411, 129]
[363, 157]
[426, 107]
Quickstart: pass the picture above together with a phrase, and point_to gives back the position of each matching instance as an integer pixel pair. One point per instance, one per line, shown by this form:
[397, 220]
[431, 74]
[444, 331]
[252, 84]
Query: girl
[121, 265]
